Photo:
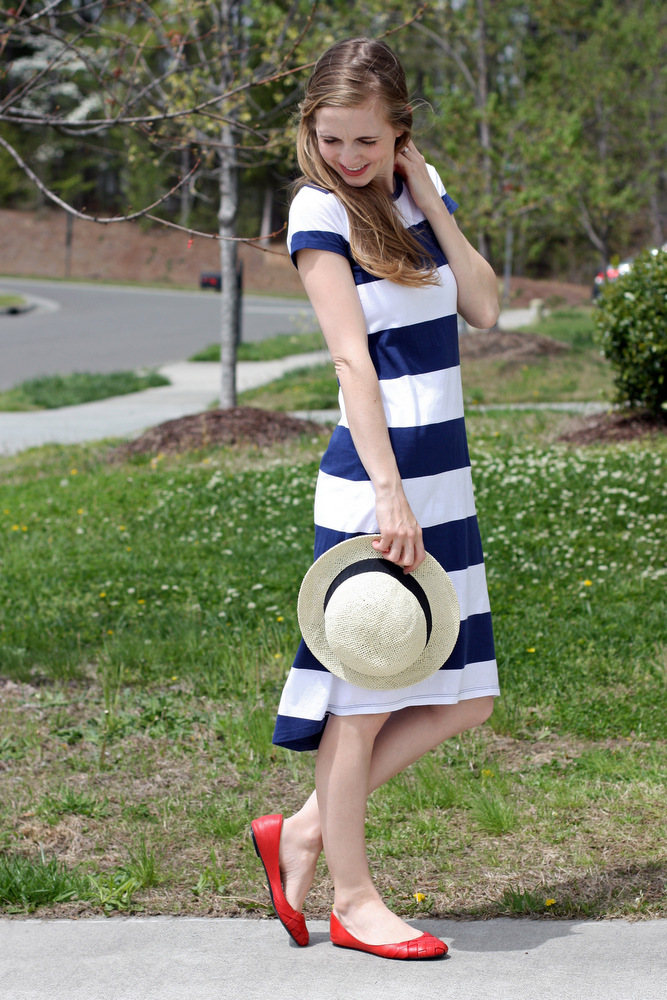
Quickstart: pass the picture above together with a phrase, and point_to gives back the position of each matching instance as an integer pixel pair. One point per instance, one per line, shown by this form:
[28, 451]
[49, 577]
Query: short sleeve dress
[413, 342]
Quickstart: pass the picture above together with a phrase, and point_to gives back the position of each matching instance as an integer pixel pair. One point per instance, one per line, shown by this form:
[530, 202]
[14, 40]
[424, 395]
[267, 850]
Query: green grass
[52, 391]
[26, 884]
[313, 388]
[9, 301]
[573, 326]
[271, 349]
[148, 625]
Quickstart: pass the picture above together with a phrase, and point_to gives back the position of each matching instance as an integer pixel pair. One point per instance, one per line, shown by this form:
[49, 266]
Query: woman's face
[358, 143]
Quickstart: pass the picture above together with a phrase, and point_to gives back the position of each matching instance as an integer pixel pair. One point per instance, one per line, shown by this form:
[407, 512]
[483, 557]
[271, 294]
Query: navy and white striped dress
[413, 342]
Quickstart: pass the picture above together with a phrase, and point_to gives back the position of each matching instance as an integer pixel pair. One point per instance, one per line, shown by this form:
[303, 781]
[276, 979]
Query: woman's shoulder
[317, 220]
[316, 208]
[311, 198]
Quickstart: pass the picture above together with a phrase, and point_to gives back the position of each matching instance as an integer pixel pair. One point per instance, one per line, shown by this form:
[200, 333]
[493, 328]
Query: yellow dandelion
[15, 527]
[73, 472]
[588, 583]
[531, 649]
[486, 773]
[549, 902]
[280, 618]
[419, 896]
[103, 594]
[141, 601]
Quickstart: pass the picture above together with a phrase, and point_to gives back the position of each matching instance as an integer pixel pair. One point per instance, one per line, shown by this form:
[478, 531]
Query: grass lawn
[48, 392]
[11, 301]
[148, 625]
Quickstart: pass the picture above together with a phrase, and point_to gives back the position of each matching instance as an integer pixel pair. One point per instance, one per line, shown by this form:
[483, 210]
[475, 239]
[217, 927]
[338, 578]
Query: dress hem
[426, 699]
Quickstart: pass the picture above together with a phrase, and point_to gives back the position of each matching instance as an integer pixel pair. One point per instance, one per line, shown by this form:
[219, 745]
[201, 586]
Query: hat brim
[439, 591]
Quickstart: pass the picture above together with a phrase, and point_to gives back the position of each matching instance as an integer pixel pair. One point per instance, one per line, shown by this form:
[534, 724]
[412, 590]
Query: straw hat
[372, 624]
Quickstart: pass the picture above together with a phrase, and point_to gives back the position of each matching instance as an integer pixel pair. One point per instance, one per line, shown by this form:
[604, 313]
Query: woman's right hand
[400, 538]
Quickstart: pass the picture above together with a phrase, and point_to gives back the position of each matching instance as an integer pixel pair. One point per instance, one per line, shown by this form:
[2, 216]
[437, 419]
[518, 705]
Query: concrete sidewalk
[171, 958]
[195, 386]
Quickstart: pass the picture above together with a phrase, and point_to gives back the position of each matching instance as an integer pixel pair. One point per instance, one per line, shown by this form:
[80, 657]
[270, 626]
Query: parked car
[614, 271]
[610, 273]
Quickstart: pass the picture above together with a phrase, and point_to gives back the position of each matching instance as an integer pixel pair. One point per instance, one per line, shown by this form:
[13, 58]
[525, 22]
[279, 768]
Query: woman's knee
[451, 720]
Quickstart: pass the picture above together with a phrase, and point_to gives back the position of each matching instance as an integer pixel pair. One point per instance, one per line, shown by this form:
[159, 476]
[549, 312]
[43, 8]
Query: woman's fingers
[407, 552]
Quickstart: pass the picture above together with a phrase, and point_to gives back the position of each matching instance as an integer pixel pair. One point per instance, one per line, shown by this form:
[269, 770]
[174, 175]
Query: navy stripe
[418, 349]
[317, 240]
[474, 644]
[298, 734]
[420, 451]
[456, 545]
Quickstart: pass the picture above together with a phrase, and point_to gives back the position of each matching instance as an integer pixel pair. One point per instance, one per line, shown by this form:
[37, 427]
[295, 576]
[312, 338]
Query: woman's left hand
[411, 165]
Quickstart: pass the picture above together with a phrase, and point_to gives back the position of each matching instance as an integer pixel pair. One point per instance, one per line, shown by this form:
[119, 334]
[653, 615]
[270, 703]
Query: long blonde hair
[347, 75]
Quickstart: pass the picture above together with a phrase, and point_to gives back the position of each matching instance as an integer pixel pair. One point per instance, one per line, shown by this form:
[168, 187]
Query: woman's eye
[328, 142]
[367, 142]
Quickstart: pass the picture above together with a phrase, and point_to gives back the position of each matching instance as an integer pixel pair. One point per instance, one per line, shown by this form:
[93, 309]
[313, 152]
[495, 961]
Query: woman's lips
[354, 173]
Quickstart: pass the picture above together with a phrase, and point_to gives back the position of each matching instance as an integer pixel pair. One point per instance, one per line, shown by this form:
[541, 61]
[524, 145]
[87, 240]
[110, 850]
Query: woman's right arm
[330, 286]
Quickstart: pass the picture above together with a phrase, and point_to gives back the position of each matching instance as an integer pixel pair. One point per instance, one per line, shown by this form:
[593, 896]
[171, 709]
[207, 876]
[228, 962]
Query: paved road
[98, 328]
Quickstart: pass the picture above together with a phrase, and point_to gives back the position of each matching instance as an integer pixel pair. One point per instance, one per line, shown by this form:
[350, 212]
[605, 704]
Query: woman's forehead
[361, 122]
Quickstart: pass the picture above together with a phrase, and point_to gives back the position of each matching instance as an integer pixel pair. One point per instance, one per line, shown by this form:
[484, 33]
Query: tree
[180, 91]
[150, 83]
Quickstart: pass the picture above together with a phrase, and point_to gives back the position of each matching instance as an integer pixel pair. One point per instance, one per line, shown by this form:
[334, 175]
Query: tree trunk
[230, 309]
[482, 98]
[230, 291]
[267, 212]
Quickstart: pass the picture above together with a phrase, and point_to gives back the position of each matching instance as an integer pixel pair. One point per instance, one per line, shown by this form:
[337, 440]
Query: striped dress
[413, 342]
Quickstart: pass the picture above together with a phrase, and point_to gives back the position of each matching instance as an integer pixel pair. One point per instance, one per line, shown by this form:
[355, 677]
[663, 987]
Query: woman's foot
[373, 923]
[421, 947]
[300, 848]
[266, 836]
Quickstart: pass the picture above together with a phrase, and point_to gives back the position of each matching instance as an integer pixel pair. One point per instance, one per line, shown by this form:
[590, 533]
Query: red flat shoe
[265, 833]
[425, 946]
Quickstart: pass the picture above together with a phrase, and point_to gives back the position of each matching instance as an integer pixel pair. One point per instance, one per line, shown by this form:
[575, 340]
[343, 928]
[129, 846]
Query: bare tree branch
[52, 196]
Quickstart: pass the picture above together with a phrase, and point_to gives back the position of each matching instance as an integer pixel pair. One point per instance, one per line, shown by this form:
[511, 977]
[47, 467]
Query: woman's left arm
[477, 283]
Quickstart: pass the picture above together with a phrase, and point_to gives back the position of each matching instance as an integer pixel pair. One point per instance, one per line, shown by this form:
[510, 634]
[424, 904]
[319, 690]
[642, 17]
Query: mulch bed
[238, 425]
[509, 346]
[614, 428]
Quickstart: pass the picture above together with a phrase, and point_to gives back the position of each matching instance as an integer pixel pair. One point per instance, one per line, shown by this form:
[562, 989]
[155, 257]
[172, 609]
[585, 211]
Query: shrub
[632, 329]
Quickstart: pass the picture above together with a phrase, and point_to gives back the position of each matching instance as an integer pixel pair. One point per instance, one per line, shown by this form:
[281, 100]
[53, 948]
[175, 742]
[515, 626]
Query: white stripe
[308, 694]
[471, 590]
[445, 687]
[418, 400]
[347, 505]
[408, 306]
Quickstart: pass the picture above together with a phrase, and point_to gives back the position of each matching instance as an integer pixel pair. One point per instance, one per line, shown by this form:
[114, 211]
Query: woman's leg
[404, 737]
[342, 777]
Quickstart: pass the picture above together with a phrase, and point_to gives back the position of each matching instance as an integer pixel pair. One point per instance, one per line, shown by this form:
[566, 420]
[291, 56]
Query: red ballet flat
[425, 946]
[265, 833]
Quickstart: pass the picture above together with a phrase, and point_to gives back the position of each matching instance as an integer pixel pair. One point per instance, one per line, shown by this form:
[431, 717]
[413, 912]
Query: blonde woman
[386, 269]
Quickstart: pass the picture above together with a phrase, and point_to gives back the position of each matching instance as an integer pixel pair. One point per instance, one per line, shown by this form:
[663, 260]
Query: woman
[386, 269]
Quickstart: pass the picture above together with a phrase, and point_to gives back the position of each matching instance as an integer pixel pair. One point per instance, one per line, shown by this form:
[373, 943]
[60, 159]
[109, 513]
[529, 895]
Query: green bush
[632, 329]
